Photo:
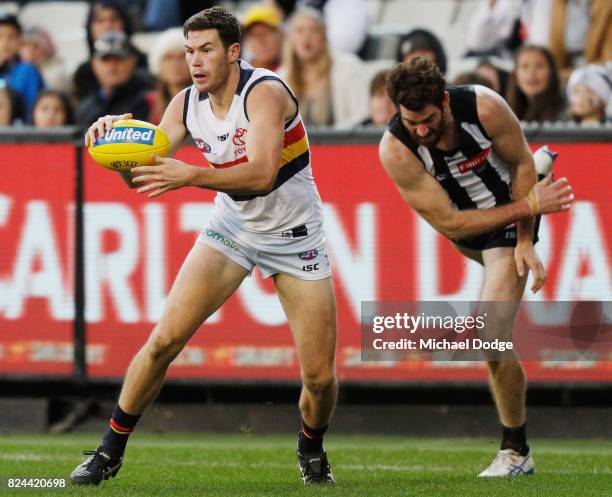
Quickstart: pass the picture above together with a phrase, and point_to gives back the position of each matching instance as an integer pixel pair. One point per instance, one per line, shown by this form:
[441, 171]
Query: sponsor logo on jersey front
[222, 138]
[239, 140]
[309, 255]
[239, 137]
[474, 162]
[127, 134]
[202, 145]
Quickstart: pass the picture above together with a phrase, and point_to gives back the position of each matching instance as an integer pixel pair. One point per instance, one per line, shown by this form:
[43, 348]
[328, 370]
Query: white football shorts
[309, 264]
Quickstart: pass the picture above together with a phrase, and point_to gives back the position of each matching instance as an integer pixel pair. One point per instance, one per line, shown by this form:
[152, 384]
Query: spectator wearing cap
[168, 65]
[37, 48]
[262, 38]
[22, 77]
[422, 43]
[119, 88]
[589, 89]
[105, 16]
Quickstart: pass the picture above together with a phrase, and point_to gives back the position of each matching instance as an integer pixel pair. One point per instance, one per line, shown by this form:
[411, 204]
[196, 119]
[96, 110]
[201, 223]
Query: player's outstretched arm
[268, 106]
[428, 198]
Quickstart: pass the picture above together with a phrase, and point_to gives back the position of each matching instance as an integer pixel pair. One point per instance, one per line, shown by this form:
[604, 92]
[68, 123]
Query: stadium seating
[65, 22]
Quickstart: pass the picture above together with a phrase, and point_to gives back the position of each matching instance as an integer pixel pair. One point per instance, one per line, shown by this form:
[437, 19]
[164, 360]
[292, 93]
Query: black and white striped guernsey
[473, 175]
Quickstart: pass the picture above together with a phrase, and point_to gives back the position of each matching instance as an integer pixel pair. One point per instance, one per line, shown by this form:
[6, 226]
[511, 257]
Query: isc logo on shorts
[127, 134]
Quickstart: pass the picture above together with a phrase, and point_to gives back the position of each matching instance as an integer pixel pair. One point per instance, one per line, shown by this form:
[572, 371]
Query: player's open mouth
[199, 77]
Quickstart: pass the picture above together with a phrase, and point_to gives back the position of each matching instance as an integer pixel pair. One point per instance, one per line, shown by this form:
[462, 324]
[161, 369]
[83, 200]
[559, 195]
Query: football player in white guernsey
[459, 158]
[268, 213]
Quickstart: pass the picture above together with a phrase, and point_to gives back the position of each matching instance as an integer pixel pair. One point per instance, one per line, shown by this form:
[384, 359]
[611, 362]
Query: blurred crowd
[550, 59]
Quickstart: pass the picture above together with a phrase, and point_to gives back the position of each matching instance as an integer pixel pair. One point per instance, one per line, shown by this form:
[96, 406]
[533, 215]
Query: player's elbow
[452, 228]
[264, 181]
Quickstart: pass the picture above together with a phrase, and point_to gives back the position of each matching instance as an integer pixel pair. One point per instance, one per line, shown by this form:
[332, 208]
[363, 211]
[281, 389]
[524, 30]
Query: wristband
[533, 200]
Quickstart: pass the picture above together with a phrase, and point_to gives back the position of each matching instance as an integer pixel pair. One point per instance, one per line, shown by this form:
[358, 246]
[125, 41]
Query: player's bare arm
[424, 194]
[510, 144]
[269, 106]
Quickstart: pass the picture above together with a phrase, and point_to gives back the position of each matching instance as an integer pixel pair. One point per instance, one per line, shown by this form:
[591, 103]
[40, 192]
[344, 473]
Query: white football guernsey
[290, 216]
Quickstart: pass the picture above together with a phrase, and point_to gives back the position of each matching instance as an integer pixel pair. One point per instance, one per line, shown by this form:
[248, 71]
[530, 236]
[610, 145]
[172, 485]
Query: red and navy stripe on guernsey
[295, 156]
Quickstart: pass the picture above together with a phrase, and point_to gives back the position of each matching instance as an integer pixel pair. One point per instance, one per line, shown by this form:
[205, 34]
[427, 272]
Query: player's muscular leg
[206, 280]
[311, 311]
[506, 376]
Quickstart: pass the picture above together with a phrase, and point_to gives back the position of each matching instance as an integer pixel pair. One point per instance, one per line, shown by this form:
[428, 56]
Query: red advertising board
[379, 248]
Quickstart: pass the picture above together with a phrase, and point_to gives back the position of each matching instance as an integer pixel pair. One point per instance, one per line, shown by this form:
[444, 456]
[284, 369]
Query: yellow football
[128, 144]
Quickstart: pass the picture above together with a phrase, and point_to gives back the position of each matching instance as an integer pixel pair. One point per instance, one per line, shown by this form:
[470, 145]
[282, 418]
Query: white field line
[395, 468]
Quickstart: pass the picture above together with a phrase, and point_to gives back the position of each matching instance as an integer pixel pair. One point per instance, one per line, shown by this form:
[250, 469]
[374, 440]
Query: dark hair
[422, 39]
[63, 99]
[217, 18]
[548, 105]
[379, 82]
[17, 104]
[107, 4]
[10, 20]
[416, 84]
[471, 78]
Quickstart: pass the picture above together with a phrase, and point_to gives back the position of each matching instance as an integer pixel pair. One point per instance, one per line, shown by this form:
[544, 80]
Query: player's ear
[233, 52]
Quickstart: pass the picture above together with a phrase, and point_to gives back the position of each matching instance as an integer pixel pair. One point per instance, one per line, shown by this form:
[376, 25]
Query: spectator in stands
[38, 49]
[575, 30]
[160, 15]
[11, 107]
[120, 89]
[22, 77]
[580, 30]
[494, 29]
[52, 109]
[589, 90]
[168, 65]
[105, 16]
[422, 43]
[347, 21]
[472, 78]
[262, 38]
[534, 91]
[497, 77]
[381, 107]
[331, 87]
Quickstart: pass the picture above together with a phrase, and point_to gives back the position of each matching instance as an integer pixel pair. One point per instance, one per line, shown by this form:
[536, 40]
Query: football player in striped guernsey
[459, 158]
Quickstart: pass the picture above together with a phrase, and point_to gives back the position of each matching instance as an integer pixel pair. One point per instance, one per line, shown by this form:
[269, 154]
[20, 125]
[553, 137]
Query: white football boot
[510, 463]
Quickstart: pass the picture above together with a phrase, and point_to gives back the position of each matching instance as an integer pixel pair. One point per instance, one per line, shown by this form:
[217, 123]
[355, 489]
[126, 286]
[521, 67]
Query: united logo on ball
[128, 144]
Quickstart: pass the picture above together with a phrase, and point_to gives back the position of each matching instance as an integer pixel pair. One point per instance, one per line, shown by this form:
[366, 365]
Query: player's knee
[163, 347]
[319, 382]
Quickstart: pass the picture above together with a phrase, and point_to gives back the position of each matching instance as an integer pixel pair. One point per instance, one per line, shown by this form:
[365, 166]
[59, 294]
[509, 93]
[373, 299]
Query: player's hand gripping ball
[128, 144]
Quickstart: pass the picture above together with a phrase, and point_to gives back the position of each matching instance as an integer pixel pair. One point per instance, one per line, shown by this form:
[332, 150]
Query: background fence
[85, 263]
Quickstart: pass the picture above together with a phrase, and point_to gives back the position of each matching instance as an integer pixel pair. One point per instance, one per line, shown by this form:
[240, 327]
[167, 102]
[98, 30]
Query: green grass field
[249, 465]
